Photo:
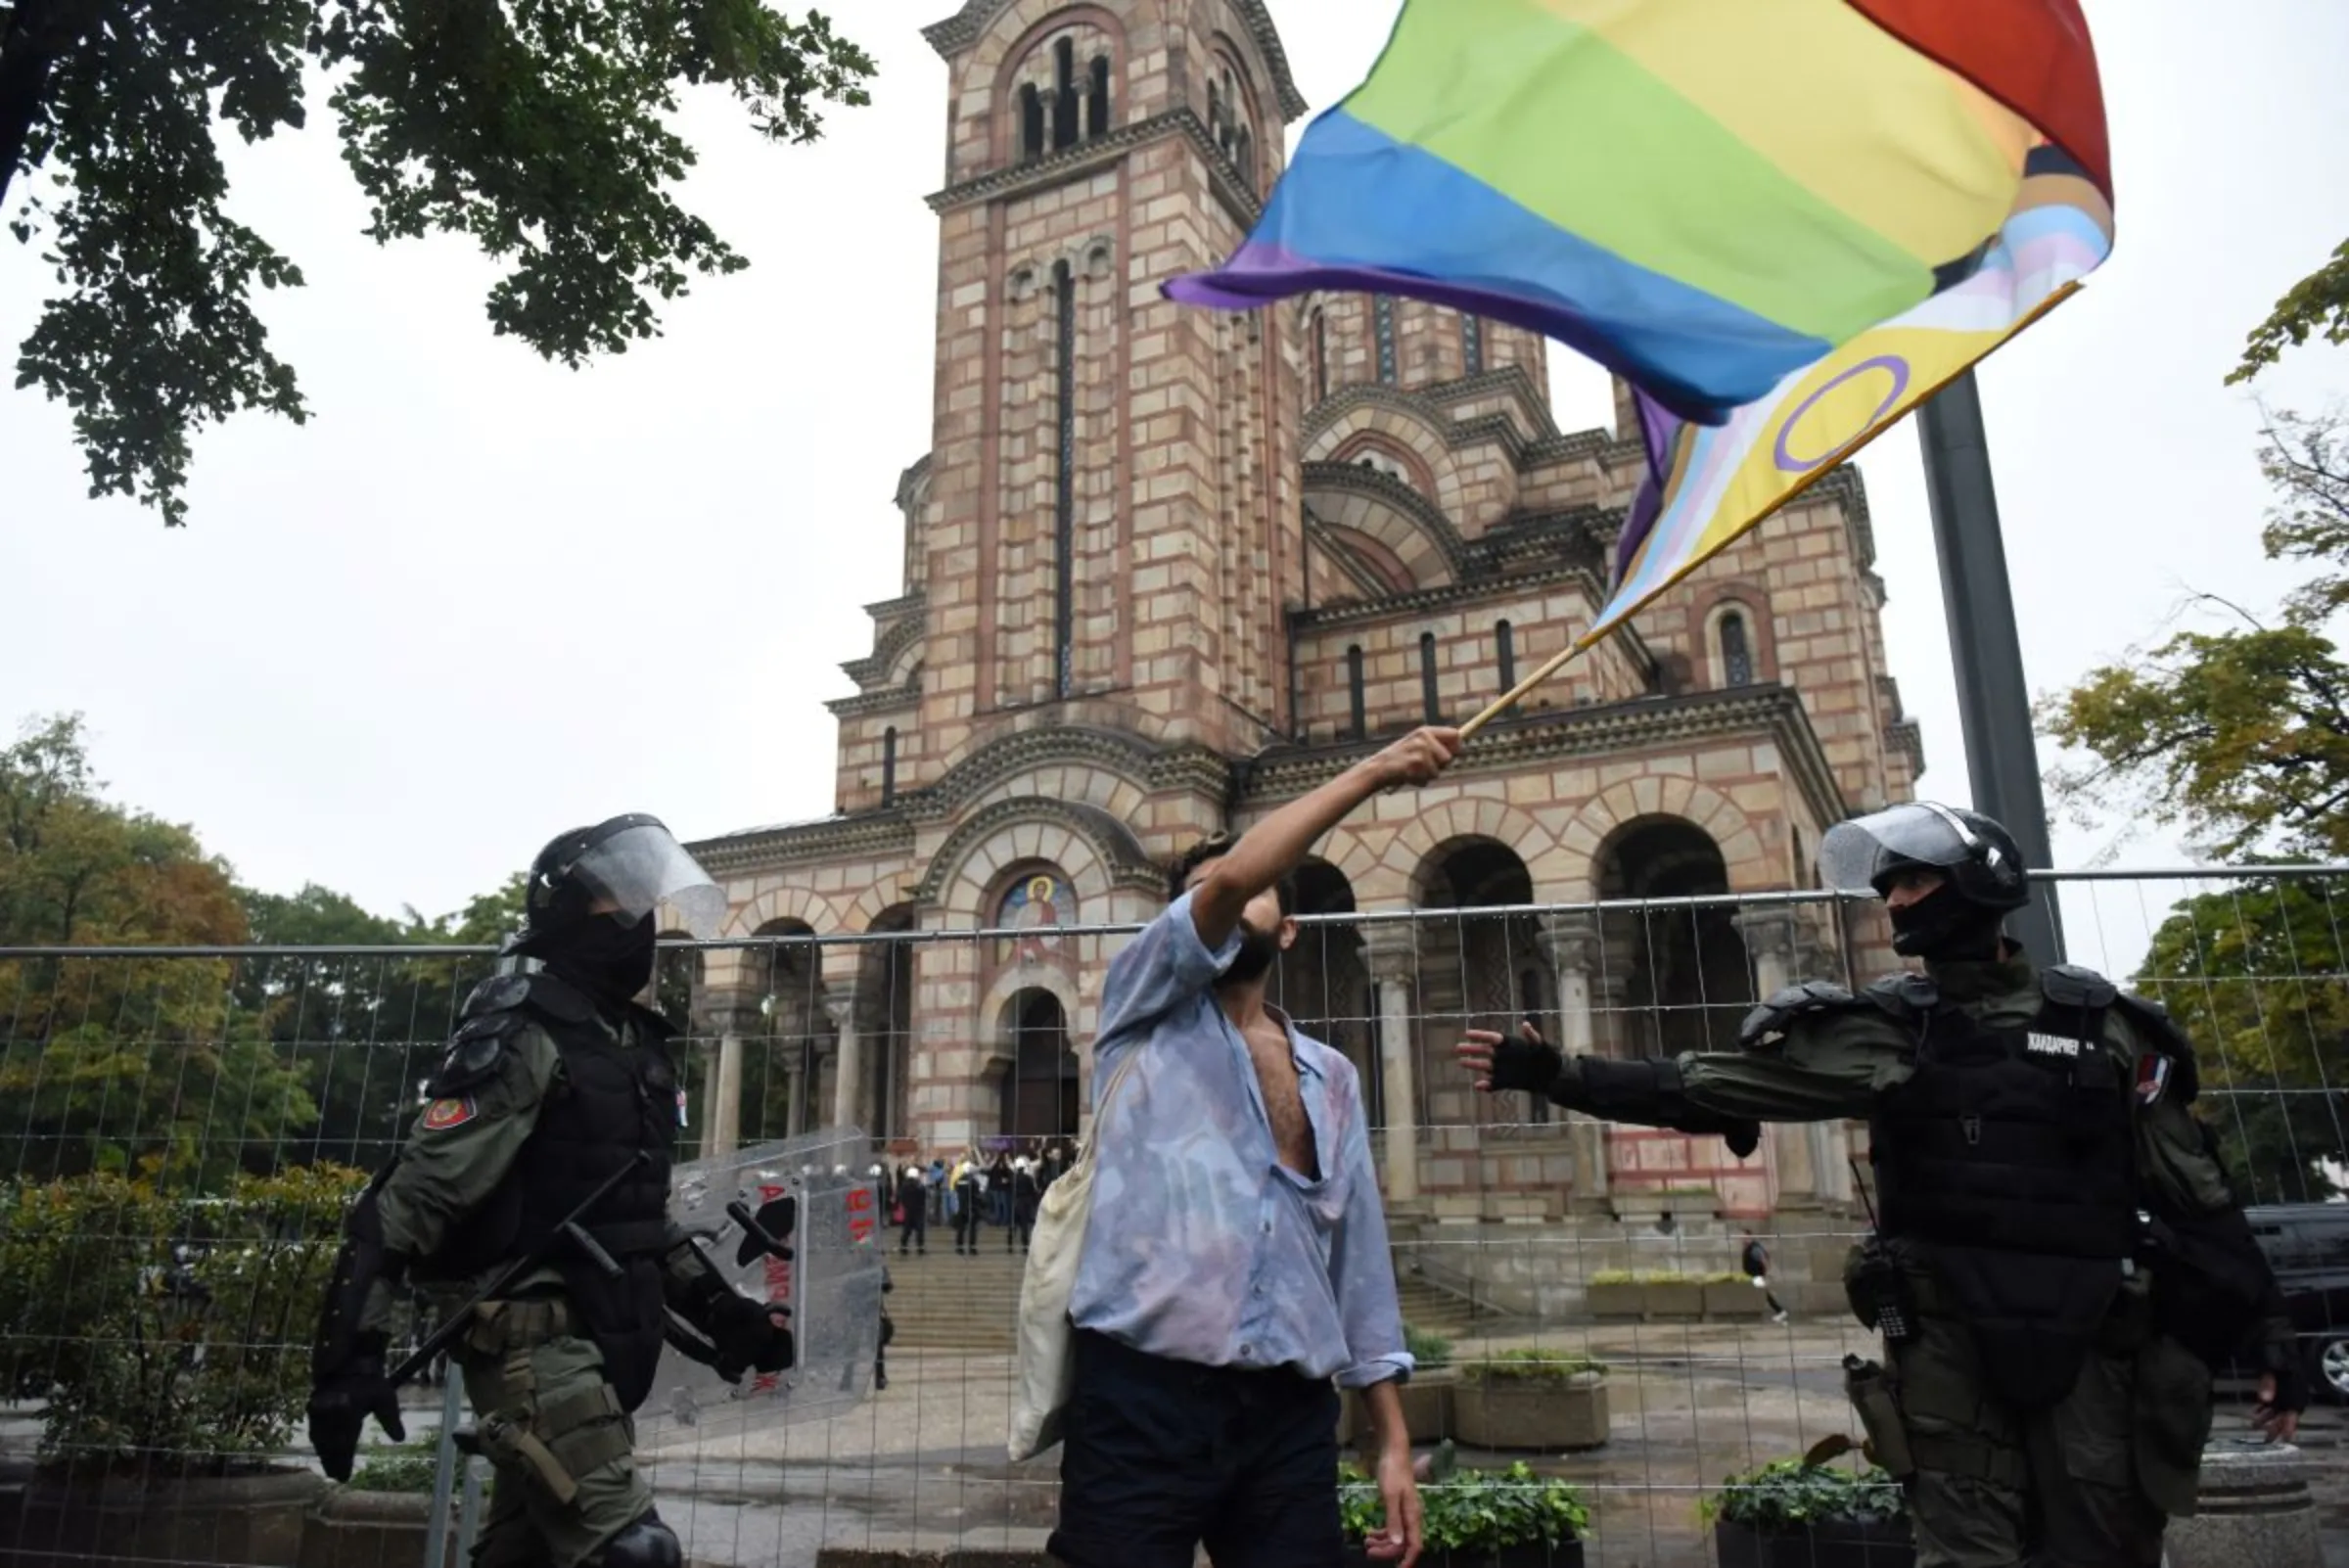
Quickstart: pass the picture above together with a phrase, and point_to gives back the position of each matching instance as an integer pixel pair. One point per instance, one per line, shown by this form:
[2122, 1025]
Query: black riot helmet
[1981, 868]
[616, 873]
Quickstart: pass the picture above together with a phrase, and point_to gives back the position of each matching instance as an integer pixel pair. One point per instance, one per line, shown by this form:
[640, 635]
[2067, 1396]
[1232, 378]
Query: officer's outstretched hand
[1498, 1063]
[339, 1405]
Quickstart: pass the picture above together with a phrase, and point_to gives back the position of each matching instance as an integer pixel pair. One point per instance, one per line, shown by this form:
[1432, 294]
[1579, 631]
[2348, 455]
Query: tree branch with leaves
[540, 130]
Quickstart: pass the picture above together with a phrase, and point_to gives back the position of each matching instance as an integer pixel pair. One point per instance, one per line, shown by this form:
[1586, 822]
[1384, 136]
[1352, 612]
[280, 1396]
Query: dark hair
[1179, 872]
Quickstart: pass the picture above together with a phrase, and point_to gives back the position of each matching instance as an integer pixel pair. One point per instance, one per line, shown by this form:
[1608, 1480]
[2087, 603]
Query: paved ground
[923, 1465]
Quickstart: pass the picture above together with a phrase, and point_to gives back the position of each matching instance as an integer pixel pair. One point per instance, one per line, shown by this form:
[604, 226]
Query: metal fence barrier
[179, 1131]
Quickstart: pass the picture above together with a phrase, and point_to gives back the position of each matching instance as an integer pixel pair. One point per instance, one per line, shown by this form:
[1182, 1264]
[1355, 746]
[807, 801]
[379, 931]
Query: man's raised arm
[1275, 847]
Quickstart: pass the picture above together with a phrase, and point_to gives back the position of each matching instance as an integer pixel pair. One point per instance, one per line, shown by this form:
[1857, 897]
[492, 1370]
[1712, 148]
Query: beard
[1258, 949]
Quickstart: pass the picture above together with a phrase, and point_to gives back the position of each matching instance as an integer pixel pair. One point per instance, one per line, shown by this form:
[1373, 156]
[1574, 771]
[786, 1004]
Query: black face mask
[1941, 925]
[1258, 949]
[609, 954]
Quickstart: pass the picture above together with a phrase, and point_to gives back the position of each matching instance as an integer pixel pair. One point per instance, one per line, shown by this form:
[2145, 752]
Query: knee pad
[645, 1544]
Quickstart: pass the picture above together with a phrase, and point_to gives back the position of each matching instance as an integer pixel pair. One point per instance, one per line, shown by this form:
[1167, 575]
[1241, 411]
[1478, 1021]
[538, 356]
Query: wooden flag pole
[1519, 692]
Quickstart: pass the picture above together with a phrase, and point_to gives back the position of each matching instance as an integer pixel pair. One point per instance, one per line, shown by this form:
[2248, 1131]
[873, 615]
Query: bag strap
[1084, 1151]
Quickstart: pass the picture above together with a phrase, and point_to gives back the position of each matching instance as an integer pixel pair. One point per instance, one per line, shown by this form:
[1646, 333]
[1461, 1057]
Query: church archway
[781, 1073]
[1482, 970]
[1685, 983]
[1039, 1082]
[1323, 983]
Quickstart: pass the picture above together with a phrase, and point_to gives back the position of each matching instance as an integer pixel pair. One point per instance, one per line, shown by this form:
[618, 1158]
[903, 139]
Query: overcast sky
[479, 598]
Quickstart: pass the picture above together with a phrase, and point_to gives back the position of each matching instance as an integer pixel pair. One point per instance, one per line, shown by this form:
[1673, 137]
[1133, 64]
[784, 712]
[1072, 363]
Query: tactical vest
[608, 1101]
[2009, 1159]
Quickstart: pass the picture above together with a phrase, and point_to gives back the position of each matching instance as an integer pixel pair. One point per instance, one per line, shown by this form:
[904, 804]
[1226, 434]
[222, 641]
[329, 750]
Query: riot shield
[811, 1196]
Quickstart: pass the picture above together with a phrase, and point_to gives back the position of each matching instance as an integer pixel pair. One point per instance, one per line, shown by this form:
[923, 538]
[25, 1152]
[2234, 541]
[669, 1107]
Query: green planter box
[1832, 1543]
[1618, 1300]
[1532, 1414]
[237, 1521]
[1679, 1302]
[354, 1529]
[1735, 1302]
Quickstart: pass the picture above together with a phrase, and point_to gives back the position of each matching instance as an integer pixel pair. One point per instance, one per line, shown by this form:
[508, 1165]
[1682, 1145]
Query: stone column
[1391, 950]
[728, 1015]
[1771, 934]
[847, 1076]
[1573, 944]
[795, 1082]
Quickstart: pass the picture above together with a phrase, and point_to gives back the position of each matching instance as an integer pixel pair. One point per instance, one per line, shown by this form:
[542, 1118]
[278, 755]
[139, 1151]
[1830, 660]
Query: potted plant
[168, 1334]
[1426, 1397]
[381, 1517]
[1532, 1398]
[1473, 1518]
[1809, 1513]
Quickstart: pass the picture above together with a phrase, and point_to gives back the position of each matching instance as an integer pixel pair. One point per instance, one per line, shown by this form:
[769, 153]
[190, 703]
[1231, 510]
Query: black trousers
[1161, 1456]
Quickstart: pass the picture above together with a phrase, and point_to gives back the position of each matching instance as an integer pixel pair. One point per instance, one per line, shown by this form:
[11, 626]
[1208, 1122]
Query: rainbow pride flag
[1704, 195]
[1707, 485]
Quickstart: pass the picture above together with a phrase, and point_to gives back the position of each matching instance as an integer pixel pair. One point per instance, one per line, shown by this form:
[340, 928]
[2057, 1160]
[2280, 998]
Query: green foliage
[2316, 304]
[164, 1325]
[1791, 1493]
[2242, 736]
[1530, 1365]
[1430, 1351]
[404, 1467]
[2254, 975]
[1465, 1509]
[131, 1061]
[542, 131]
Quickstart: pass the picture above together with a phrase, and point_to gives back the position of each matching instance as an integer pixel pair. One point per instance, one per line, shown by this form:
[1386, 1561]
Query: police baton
[568, 1229]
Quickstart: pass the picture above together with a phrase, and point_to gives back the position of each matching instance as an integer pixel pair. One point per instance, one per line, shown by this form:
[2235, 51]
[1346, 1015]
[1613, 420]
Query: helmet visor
[1854, 855]
[639, 868]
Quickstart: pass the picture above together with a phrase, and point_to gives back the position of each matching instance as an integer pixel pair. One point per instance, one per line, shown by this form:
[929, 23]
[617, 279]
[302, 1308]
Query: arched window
[1736, 657]
[1063, 98]
[1353, 691]
[1064, 500]
[1429, 701]
[1032, 122]
[1504, 643]
[1321, 357]
[1382, 313]
[888, 766]
[1096, 107]
[1472, 345]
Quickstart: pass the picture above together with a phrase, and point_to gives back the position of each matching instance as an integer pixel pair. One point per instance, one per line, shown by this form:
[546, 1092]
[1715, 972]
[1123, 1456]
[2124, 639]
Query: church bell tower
[1108, 527]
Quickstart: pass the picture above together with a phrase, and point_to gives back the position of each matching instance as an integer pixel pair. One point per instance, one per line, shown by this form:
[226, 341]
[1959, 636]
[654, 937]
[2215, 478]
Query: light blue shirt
[1202, 1246]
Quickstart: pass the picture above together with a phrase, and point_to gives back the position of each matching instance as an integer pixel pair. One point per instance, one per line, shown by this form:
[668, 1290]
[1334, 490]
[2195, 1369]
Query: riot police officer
[2059, 1258]
[557, 1087]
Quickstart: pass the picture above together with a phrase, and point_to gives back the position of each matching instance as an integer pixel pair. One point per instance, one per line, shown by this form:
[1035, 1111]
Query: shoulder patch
[2070, 986]
[444, 1113]
[473, 1052]
[2163, 1036]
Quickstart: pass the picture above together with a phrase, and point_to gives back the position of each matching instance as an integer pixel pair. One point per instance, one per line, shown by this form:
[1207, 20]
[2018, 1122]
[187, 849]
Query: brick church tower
[1167, 568]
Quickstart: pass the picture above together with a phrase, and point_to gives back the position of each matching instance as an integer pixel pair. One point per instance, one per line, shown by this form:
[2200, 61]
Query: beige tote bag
[1046, 1367]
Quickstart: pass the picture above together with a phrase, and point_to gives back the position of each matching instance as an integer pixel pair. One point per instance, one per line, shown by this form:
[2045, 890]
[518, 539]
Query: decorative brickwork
[1148, 558]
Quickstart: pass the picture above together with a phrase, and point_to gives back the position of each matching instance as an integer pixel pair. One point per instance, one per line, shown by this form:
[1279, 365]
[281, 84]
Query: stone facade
[1167, 568]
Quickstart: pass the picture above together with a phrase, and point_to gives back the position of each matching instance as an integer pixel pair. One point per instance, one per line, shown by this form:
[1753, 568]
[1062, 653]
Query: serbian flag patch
[441, 1115]
[2153, 1078]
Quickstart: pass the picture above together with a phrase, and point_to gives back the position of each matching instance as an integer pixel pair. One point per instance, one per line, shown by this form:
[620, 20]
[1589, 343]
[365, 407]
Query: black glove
[747, 1335]
[1742, 1138]
[342, 1402]
[1519, 1063]
[2281, 1359]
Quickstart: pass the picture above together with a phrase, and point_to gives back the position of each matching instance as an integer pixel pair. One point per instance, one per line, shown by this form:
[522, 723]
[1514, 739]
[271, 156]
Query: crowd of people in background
[1000, 1188]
